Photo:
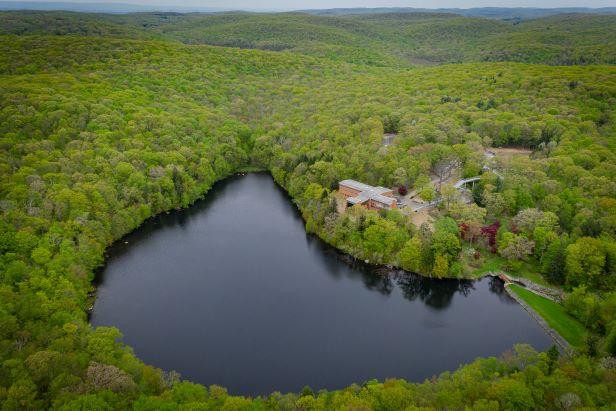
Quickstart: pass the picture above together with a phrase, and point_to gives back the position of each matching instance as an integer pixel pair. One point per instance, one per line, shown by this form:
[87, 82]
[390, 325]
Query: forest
[107, 120]
[383, 39]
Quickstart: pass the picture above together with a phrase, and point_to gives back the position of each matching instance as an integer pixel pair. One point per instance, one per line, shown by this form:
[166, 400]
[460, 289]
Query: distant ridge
[119, 8]
[379, 39]
[500, 13]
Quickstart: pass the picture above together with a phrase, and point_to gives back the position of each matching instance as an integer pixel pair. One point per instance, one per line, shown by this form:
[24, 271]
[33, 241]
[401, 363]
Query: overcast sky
[321, 4]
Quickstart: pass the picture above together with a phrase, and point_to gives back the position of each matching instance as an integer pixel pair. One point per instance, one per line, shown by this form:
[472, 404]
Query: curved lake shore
[232, 291]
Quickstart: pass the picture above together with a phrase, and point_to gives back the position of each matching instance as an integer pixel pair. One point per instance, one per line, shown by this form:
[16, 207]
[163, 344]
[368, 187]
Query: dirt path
[421, 216]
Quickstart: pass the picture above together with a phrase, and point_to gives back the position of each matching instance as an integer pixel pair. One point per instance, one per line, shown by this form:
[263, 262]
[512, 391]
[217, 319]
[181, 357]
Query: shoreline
[385, 270]
[558, 339]
[390, 270]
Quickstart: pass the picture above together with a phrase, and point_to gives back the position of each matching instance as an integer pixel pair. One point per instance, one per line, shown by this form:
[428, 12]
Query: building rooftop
[364, 187]
[367, 192]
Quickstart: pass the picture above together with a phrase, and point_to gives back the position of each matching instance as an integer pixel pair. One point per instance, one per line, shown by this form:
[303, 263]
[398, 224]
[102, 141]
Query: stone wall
[560, 342]
[551, 293]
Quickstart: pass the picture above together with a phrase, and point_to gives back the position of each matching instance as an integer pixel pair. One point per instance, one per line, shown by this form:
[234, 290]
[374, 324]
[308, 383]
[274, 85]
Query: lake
[233, 292]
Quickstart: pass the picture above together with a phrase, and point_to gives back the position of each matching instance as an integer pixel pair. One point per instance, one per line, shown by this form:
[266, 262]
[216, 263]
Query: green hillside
[98, 139]
[385, 39]
[107, 120]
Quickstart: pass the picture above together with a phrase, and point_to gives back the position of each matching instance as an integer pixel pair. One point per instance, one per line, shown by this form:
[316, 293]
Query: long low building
[373, 198]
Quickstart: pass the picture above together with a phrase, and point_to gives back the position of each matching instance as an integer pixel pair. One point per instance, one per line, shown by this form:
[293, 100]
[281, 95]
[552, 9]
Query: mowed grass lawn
[495, 263]
[555, 315]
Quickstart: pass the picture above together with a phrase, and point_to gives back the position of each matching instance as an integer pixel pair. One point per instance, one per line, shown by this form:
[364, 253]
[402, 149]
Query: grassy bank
[554, 314]
[495, 263]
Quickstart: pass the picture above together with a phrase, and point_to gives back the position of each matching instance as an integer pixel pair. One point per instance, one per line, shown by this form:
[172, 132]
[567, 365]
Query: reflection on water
[232, 291]
[436, 294]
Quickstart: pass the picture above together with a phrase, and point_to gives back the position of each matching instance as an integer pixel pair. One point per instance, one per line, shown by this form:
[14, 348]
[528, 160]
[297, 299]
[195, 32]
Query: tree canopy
[99, 132]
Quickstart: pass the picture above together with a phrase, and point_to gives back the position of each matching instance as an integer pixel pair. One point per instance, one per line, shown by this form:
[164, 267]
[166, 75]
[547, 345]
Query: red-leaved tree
[489, 232]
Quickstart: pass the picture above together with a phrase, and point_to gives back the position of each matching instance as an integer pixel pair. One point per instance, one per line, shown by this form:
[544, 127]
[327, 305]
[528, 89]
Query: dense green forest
[119, 121]
[384, 39]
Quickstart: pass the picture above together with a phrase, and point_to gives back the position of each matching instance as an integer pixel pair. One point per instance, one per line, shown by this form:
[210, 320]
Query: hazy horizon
[329, 4]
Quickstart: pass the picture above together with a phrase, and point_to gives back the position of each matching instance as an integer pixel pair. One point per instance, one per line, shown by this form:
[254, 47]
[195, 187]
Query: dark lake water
[232, 291]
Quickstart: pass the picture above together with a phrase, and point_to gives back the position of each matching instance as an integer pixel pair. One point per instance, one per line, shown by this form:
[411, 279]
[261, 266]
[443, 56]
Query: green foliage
[552, 261]
[596, 312]
[394, 39]
[410, 255]
[515, 247]
[587, 263]
[98, 134]
[441, 265]
[446, 225]
[382, 239]
[553, 355]
[446, 244]
[611, 343]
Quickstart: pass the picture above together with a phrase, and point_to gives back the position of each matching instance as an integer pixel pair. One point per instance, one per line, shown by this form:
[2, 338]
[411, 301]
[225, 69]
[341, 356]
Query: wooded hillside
[383, 39]
[99, 132]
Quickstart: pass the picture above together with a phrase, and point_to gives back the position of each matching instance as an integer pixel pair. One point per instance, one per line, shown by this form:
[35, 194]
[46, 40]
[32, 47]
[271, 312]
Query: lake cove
[233, 292]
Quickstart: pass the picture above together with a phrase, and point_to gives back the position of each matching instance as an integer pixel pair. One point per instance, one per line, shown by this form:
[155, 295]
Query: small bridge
[464, 181]
[505, 279]
[427, 205]
[459, 185]
[499, 175]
